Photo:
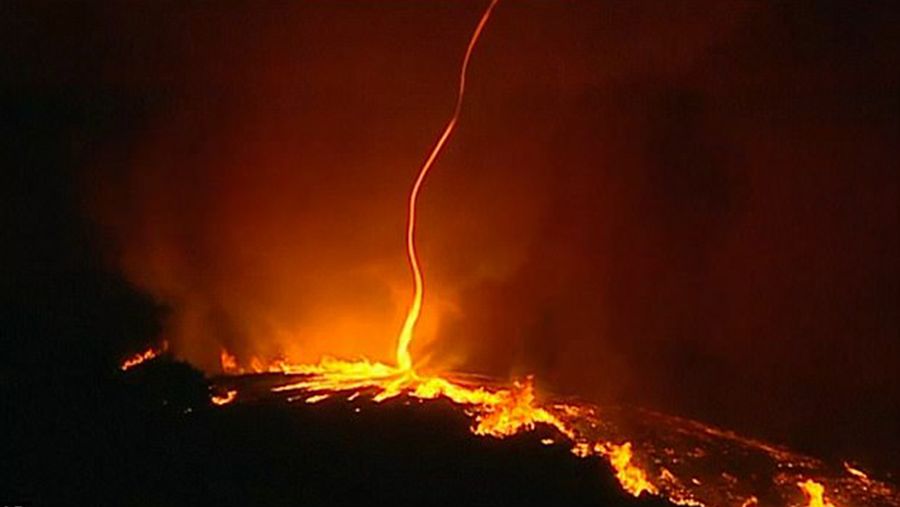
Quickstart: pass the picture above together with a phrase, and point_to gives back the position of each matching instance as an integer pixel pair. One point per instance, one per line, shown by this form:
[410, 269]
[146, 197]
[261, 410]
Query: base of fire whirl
[683, 461]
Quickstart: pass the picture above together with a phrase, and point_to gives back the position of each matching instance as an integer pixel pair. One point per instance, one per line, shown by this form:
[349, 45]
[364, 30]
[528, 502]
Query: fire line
[142, 357]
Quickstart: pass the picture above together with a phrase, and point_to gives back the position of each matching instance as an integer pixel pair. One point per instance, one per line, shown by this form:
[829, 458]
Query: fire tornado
[682, 461]
[658, 240]
[404, 360]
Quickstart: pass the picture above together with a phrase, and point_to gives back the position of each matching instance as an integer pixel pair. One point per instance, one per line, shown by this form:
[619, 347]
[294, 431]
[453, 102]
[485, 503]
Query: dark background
[690, 206]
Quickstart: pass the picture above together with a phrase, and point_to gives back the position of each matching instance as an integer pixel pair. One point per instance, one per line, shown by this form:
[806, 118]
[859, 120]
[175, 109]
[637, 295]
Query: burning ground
[158, 439]
[684, 462]
[165, 436]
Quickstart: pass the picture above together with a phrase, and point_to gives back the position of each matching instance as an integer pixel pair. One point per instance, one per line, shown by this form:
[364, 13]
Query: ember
[224, 399]
[142, 357]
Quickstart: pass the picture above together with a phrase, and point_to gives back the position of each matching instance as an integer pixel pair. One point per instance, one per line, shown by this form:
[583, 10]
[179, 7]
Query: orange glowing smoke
[501, 411]
[815, 493]
[404, 360]
[497, 412]
[144, 356]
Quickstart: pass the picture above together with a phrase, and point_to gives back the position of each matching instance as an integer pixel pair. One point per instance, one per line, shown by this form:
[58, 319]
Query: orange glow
[228, 362]
[144, 356]
[815, 493]
[855, 472]
[404, 360]
[500, 411]
[256, 365]
[225, 399]
[497, 412]
[317, 398]
[304, 318]
[632, 478]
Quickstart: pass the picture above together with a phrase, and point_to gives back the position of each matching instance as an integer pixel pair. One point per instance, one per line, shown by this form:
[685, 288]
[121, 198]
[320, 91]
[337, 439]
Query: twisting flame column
[404, 360]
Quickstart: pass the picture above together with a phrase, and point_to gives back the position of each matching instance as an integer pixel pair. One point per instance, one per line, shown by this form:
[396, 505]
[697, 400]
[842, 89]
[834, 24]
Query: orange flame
[144, 356]
[815, 493]
[404, 360]
[855, 472]
[497, 412]
[224, 399]
[228, 362]
[632, 478]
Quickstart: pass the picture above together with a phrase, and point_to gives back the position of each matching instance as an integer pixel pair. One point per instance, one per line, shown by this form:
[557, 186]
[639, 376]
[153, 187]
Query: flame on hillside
[495, 411]
[683, 461]
[679, 473]
[142, 357]
[224, 399]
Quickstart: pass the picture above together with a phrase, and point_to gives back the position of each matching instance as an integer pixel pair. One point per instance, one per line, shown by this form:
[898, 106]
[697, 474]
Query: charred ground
[155, 440]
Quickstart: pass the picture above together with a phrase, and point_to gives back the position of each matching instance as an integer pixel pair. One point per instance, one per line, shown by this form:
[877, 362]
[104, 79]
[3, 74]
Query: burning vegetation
[681, 461]
[142, 357]
[224, 399]
[684, 462]
[815, 492]
[685, 466]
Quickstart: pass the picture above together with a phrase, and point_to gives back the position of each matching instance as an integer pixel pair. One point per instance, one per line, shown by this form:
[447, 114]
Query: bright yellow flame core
[496, 411]
[632, 478]
[815, 493]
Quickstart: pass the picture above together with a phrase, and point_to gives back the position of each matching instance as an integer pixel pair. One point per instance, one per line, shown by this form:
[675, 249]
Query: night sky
[688, 206]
